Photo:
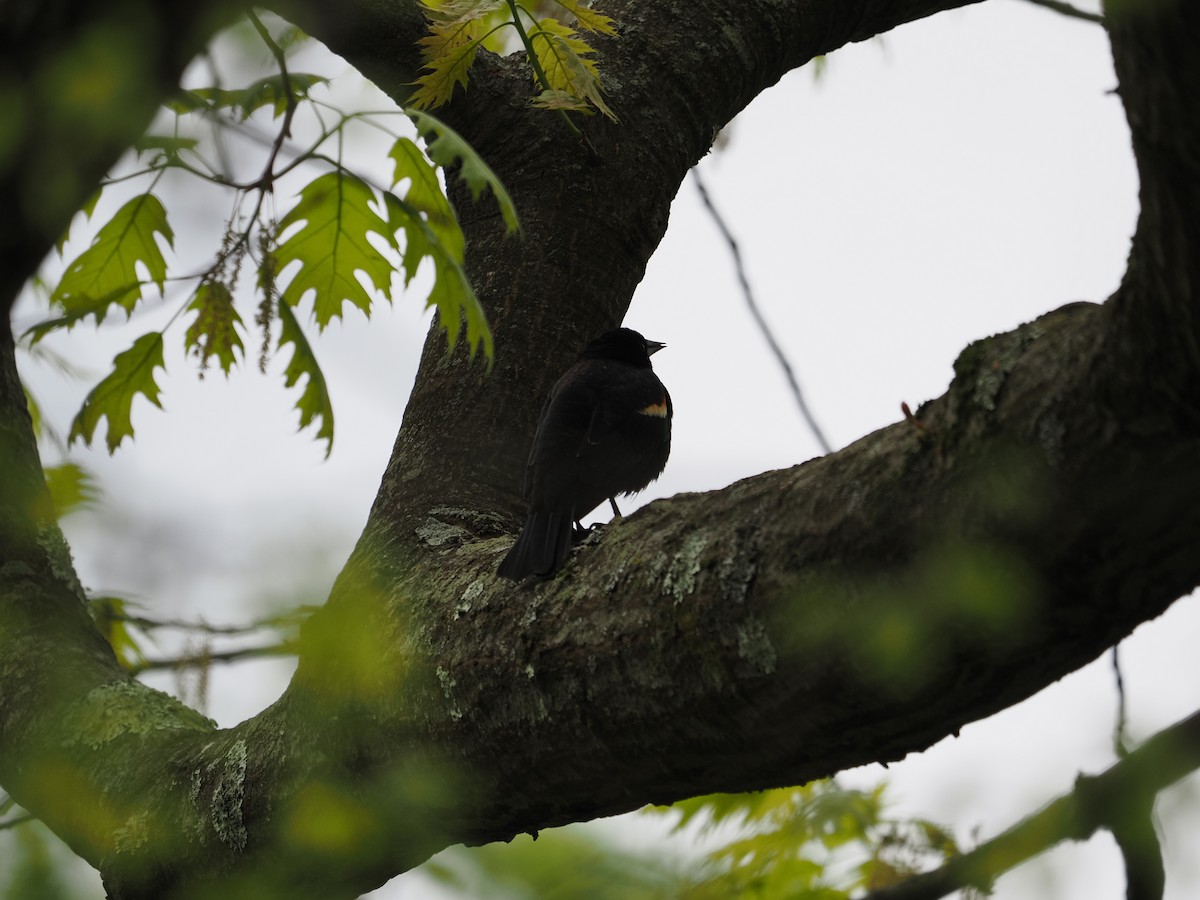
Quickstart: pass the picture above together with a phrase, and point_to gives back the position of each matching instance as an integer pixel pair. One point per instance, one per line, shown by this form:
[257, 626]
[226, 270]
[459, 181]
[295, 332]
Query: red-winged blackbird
[605, 430]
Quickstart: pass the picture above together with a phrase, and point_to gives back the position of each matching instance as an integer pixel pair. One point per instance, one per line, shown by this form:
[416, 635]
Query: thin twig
[1120, 738]
[1067, 9]
[6, 804]
[758, 318]
[223, 158]
[267, 181]
[15, 821]
[147, 624]
[288, 648]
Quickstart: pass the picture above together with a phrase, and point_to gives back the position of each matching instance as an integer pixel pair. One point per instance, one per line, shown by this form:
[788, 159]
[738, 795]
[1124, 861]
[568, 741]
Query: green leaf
[820, 841]
[71, 488]
[425, 194]
[314, 401]
[215, 329]
[169, 147]
[431, 230]
[452, 293]
[267, 91]
[106, 273]
[87, 209]
[186, 101]
[447, 147]
[332, 246]
[566, 59]
[80, 310]
[455, 300]
[89, 206]
[112, 398]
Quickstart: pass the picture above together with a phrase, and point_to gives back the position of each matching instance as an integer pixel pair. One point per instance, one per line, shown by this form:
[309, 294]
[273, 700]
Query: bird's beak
[653, 347]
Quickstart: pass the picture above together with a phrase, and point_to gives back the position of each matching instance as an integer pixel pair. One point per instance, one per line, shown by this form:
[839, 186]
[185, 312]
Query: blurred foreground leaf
[71, 488]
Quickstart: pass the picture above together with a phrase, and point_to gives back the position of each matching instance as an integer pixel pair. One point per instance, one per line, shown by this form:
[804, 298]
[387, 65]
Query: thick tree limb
[855, 608]
[781, 595]
[1119, 799]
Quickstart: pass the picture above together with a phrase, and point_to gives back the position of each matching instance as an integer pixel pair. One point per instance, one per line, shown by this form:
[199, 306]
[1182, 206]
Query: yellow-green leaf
[447, 51]
[447, 147]
[424, 193]
[112, 398]
[566, 59]
[452, 293]
[215, 329]
[332, 246]
[449, 10]
[105, 274]
[314, 400]
[588, 18]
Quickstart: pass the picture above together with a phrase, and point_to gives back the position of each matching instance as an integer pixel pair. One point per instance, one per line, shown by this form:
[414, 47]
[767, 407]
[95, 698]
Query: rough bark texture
[726, 641]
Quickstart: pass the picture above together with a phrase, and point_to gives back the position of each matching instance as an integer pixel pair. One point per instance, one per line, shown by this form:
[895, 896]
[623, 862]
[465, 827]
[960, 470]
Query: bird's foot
[581, 533]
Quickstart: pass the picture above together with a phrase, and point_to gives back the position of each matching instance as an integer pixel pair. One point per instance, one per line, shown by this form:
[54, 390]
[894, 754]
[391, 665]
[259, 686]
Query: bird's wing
[643, 396]
[527, 488]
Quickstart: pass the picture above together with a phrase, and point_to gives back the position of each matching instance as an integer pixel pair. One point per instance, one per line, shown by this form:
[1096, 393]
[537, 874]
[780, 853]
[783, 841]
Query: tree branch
[1119, 799]
[1066, 9]
[203, 660]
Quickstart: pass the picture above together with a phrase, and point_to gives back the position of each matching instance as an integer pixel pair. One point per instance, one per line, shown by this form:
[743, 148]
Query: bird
[605, 430]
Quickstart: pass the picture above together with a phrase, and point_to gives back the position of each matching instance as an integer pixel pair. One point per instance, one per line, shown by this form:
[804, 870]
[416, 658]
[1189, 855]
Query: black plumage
[605, 430]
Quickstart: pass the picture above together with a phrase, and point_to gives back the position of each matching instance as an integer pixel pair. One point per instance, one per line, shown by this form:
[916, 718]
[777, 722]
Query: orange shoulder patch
[658, 410]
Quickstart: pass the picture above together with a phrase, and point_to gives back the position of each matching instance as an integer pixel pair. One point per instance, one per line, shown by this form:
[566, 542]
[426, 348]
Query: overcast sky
[954, 179]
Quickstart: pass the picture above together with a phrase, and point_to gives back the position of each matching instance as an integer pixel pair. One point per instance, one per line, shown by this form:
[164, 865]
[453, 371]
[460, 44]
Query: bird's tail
[541, 548]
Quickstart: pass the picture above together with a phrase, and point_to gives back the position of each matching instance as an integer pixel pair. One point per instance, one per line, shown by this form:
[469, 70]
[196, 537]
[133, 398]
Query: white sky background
[959, 177]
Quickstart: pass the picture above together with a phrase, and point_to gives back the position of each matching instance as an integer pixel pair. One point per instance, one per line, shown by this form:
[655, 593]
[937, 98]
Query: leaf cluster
[819, 841]
[340, 240]
[560, 59]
